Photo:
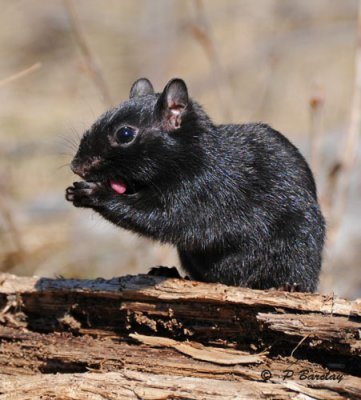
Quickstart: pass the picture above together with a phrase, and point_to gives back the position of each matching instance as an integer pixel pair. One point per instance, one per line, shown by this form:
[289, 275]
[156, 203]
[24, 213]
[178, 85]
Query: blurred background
[293, 64]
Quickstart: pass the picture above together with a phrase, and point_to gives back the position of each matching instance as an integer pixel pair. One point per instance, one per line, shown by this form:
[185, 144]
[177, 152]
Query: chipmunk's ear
[141, 87]
[172, 104]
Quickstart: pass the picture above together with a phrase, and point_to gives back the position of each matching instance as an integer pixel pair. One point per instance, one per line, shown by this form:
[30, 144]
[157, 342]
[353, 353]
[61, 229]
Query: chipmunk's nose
[85, 168]
[79, 169]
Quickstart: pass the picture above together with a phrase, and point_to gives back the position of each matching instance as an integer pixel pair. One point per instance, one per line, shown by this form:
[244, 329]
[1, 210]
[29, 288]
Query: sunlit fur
[238, 201]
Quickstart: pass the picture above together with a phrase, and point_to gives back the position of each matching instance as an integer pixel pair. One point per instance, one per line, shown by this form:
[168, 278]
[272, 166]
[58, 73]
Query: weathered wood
[143, 385]
[151, 337]
[94, 367]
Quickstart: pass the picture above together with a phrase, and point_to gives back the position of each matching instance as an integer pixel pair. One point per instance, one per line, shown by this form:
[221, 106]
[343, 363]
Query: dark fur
[238, 201]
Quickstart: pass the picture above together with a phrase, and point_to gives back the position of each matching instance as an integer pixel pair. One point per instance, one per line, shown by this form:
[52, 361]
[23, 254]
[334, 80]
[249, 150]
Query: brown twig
[92, 66]
[316, 104]
[20, 74]
[18, 255]
[340, 173]
[201, 31]
[299, 344]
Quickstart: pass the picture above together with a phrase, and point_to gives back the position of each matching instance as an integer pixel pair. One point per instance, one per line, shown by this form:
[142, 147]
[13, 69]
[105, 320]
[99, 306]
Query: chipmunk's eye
[125, 134]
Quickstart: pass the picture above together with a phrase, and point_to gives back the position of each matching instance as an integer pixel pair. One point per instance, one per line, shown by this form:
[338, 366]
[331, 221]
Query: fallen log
[151, 337]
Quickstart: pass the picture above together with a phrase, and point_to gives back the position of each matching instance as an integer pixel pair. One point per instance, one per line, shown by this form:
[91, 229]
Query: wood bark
[156, 338]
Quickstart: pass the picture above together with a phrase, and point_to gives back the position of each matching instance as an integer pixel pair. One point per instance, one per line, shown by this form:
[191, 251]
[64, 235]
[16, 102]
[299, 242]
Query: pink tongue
[118, 187]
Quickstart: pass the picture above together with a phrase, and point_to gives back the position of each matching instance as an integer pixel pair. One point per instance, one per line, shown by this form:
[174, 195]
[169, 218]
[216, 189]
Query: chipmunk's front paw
[83, 194]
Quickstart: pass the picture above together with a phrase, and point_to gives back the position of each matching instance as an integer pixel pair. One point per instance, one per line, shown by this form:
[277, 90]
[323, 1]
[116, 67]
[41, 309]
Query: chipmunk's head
[138, 142]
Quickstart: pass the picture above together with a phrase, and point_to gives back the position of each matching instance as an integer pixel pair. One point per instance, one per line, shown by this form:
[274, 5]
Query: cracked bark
[151, 337]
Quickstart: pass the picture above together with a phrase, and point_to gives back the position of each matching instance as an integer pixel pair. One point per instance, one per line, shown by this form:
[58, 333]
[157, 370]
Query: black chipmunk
[238, 201]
